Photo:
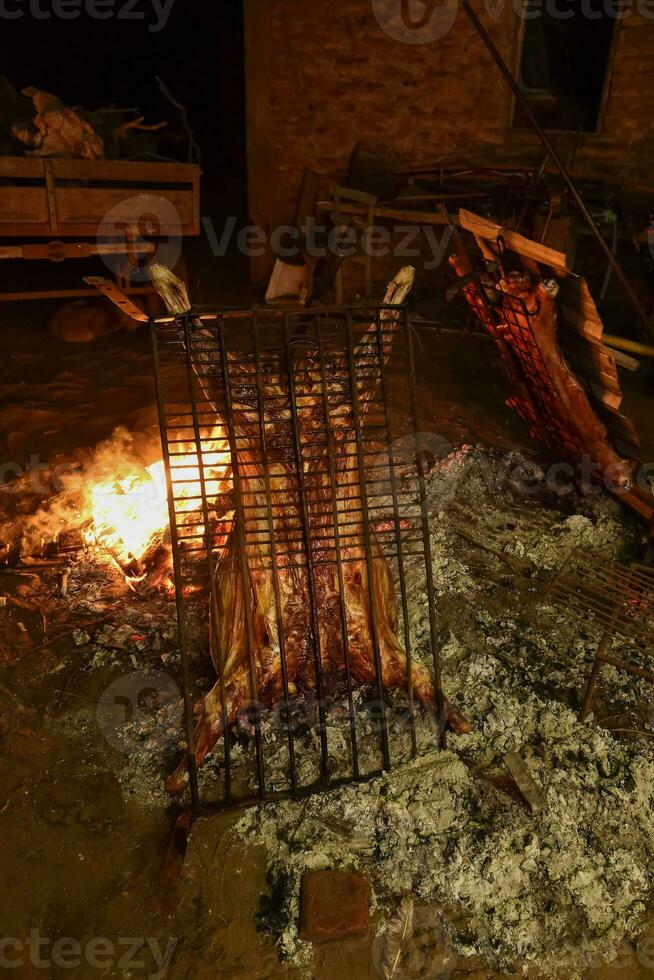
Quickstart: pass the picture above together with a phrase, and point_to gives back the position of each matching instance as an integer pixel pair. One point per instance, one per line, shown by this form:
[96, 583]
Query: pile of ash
[562, 887]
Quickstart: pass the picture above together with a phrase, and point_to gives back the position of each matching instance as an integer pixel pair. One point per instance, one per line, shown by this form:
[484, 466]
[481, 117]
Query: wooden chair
[353, 209]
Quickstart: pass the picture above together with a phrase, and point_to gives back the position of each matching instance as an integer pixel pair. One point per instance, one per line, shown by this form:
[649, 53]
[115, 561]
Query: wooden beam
[119, 297]
[65, 294]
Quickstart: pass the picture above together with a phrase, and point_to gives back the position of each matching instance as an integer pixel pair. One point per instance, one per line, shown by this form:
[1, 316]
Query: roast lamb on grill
[245, 632]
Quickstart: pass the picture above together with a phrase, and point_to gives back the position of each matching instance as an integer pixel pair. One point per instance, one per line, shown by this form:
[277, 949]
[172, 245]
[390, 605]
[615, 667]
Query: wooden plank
[483, 228]
[592, 359]
[126, 170]
[605, 396]
[58, 251]
[595, 355]
[350, 194]
[118, 297]
[66, 294]
[589, 327]
[88, 205]
[21, 167]
[52, 200]
[73, 230]
[24, 204]
[578, 307]
[89, 170]
[621, 423]
[396, 214]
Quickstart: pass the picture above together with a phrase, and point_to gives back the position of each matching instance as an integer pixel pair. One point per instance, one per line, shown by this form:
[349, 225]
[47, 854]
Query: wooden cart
[61, 209]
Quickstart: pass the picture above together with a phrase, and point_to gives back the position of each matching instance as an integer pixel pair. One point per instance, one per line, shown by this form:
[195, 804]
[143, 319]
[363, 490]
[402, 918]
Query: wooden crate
[69, 198]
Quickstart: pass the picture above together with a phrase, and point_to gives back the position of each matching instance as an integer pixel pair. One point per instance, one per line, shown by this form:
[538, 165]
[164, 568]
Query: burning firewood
[293, 636]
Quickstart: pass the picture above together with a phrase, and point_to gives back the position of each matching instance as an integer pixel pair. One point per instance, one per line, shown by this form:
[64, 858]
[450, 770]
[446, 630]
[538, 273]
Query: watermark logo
[154, 13]
[125, 957]
[406, 458]
[525, 477]
[138, 232]
[415, 21]
[318, 241]
[131, 702]
[424, 21]
[413, 946]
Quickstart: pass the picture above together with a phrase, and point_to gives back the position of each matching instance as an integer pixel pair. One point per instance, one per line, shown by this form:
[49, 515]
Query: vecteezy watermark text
[425, 21]
[99, 953]
[153, 12]
[522, 476]
[319, 241]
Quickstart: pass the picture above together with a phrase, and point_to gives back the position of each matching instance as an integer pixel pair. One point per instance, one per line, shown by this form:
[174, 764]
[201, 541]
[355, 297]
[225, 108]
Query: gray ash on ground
[561, 888]
[105, 659]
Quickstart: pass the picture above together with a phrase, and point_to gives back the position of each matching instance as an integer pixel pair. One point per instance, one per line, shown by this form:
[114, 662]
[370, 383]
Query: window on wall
[564, 63]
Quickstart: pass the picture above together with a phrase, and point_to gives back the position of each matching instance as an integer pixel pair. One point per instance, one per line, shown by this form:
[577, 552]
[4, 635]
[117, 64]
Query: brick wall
[322, 75]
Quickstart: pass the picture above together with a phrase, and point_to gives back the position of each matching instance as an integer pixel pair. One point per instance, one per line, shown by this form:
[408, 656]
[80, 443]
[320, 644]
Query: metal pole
[368, 541]
[338, 551]
[426, 539]
[273, 513]
[517, 91]
[307, 540]
[179, 583]
[192, 377]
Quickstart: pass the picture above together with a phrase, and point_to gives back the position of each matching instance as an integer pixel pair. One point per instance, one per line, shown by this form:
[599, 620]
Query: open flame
[130, 513]
[129, 510]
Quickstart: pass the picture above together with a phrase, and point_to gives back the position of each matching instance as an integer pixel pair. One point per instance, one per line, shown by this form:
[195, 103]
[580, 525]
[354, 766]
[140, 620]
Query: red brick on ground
[333, 904]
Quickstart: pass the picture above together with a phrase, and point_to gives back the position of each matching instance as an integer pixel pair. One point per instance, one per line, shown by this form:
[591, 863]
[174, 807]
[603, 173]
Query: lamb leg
[395, 669]
[210, 727]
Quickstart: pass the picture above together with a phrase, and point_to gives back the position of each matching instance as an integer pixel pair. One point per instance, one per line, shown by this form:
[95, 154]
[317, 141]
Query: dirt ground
[80, 857]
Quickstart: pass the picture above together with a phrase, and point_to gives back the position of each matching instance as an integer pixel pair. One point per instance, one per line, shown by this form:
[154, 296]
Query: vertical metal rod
[338, 552]
[179, 584]
[306, 535]
[273, 550]
[243, 561]
[398, 535]
[191, 376]
[367, 537]
[547, 143]
[424, 510]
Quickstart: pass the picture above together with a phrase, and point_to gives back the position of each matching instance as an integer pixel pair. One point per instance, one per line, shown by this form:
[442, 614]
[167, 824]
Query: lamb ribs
[302, 551]
[522, 320]
[539, 315]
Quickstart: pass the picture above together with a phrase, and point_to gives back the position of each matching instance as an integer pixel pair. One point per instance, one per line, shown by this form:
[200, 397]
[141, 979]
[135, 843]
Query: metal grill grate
[617, 598]
[293, 454]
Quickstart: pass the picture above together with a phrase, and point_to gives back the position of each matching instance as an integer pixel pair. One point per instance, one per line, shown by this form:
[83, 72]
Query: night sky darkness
[94, 63]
